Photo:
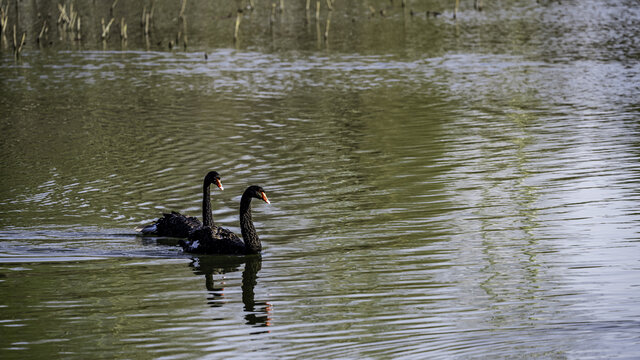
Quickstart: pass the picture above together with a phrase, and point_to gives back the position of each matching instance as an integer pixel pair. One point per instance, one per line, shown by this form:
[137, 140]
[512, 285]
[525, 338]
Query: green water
[439, 188]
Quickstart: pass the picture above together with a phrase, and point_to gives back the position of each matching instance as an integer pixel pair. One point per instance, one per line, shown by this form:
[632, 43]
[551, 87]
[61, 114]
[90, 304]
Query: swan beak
[219, 184]
[264, 198]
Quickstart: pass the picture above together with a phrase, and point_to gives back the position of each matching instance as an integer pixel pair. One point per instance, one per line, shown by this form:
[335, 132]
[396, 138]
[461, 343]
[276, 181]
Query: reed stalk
[184, 31]
[78, 31]
[105, 29]
[318, 35]
[330, 5]
[63, 18]
[235, 34]
[42, 31]
[22, 41]
[4, 18]
[62, 13]
[455, 10]
[71, 19]
[184, 5]
[72, 23]
[17, 47]
[123, 29]
[272, 16]
[113, 6]
[152, 10]
[147, 19]
[326, 29]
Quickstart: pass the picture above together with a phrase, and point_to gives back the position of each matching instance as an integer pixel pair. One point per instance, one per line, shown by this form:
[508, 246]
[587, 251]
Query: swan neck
[249, 235]
[207, 215]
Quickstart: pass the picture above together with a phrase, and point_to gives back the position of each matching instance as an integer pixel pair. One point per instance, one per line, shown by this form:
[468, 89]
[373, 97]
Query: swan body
[173, 224]
[218, 240]
[177, 225]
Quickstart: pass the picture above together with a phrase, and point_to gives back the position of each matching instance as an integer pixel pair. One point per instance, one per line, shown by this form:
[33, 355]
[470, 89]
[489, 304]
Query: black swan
[180, 226]
[217, 240]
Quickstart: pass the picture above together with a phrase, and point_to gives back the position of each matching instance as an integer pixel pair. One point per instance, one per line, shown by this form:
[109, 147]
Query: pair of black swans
[206, 237]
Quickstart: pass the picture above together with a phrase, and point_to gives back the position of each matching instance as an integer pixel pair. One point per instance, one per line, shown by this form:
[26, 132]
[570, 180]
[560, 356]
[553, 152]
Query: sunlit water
[472, 196]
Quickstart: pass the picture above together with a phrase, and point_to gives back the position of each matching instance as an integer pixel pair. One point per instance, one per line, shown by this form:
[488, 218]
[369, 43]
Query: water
[438, 189]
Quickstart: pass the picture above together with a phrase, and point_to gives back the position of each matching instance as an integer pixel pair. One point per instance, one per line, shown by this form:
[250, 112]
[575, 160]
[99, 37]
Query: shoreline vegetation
[164, 24]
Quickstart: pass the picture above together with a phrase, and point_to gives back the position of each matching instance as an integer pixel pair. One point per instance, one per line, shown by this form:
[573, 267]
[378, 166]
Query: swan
[218, 240]
[177, 225]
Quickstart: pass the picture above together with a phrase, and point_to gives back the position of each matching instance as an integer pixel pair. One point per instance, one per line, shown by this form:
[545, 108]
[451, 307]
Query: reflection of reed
[257, 313]
[477, 4]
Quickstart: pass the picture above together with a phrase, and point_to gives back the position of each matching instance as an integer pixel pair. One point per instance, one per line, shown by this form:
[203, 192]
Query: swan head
[213, 178]
[258, 193]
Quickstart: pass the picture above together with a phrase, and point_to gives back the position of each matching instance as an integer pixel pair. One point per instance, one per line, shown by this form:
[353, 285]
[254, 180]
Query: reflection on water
[439, 189]
[107, 305]
[210, 266]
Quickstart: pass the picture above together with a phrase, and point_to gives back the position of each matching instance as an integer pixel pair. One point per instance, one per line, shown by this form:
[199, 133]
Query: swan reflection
[257, 313]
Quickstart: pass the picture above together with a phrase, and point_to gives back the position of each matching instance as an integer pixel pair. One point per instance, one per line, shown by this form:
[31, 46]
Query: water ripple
[436, 203]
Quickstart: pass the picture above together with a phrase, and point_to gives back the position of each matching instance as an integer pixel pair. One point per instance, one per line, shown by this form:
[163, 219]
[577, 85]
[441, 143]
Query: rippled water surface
[439, 188]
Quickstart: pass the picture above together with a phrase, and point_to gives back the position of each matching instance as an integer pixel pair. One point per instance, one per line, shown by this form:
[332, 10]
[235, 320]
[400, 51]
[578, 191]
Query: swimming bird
[177, 225]
[218, 240]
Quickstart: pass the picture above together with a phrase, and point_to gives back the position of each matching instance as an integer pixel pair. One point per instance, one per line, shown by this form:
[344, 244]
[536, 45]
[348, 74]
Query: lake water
[439, 188]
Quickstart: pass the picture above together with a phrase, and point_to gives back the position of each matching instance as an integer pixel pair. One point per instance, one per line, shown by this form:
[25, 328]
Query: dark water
[439, 188]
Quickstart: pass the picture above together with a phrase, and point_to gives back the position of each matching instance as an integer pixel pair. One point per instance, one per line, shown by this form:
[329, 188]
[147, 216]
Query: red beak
[219, 184]
[264, 198]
